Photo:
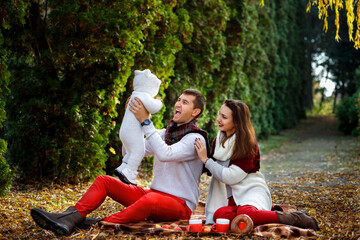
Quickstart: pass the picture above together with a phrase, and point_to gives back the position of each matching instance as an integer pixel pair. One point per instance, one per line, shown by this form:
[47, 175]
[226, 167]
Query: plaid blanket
[273, 230]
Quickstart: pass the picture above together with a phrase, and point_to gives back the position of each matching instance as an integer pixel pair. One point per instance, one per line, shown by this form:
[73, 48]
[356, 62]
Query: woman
[237, 186]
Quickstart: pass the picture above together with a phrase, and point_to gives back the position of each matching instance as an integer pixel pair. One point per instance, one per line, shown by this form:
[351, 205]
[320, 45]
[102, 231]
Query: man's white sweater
[177, 168]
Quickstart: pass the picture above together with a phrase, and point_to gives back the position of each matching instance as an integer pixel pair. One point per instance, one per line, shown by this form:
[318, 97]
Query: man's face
[184, 110]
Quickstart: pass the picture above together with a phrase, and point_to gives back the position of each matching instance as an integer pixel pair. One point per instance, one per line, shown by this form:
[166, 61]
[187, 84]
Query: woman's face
[225, 120]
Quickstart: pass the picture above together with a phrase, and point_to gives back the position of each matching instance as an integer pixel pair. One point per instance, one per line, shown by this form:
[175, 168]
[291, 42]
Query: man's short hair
[199, 101]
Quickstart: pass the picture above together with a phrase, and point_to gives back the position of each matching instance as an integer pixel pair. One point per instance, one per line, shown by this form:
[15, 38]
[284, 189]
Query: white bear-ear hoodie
[146, 87]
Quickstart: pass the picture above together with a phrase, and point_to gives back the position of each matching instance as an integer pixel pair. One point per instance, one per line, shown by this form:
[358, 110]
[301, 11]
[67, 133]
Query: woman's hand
[201, 150]
[138, 109]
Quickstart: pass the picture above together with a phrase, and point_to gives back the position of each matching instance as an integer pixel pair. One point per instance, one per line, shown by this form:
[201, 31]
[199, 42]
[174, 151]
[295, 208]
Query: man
[174, 192]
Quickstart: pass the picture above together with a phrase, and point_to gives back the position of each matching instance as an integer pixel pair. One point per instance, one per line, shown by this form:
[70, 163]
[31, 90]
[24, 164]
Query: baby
[146, 87]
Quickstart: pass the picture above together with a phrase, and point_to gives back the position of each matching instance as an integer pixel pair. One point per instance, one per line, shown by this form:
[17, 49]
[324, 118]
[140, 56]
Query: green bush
[347, 112]
[72, 67]
[5, 172]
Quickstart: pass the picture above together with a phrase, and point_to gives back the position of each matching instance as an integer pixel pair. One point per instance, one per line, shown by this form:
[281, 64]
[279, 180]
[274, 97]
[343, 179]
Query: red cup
[221, 225]
[195, 225]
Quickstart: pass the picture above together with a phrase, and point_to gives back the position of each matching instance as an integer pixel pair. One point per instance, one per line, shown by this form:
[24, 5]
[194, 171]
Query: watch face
[146, 122]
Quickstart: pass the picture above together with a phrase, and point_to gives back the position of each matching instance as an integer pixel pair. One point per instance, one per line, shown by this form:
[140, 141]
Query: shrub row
[348, 114]
[72, 63]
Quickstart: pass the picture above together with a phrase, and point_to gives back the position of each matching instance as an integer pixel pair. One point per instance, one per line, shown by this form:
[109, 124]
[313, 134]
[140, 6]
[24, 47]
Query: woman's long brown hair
[244, 130]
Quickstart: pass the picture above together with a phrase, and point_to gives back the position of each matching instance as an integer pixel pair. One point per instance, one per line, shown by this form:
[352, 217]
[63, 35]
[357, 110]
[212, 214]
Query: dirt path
[318, 171]
[317, 147]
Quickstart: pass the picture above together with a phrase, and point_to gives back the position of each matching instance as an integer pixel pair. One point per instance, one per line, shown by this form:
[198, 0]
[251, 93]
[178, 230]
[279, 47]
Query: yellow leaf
[308, 7]
[112, 150]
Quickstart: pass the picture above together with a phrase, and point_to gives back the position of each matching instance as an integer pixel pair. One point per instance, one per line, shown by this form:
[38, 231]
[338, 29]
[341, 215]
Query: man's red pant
[140, 203]
[257, 216]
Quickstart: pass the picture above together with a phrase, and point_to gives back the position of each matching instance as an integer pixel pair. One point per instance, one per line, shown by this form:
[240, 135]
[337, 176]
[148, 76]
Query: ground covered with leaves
[316, 169]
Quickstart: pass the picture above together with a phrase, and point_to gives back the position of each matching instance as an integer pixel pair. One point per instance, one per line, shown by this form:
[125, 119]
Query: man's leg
[154, 206]
[104, 186]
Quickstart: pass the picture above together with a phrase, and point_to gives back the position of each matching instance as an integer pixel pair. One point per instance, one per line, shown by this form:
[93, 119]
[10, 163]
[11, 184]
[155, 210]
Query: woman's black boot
[298, 219]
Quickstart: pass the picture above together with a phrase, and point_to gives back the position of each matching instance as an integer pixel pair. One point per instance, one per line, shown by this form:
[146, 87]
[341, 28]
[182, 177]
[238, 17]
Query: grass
[275, 142]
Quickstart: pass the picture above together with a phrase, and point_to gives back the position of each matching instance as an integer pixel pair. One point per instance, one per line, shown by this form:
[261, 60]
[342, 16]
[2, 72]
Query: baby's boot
[128, 176]
[119, 169]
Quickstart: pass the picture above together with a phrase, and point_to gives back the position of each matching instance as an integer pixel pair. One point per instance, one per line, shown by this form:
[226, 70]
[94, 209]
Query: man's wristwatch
[146, 122]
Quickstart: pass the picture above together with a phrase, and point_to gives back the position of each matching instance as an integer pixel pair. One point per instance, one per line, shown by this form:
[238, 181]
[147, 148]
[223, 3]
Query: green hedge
[72, 68]
[6, 175]
[348, 114]
[66, 83]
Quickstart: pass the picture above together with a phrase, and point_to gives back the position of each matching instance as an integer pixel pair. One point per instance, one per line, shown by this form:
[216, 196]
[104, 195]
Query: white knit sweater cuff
[149, 130]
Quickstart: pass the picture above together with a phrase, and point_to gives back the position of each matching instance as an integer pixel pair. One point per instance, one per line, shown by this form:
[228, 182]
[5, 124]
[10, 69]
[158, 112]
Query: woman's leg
[104, 186]
[228, 212]
[155, 206]
[258, 216]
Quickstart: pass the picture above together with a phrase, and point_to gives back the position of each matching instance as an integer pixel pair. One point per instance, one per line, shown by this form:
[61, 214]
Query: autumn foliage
[352, 9]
